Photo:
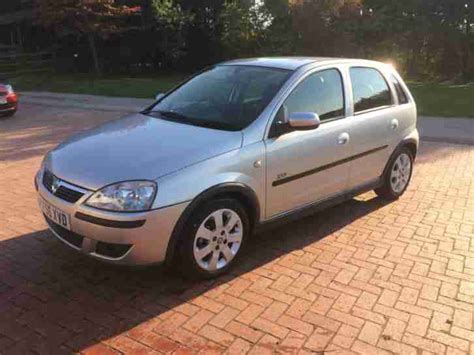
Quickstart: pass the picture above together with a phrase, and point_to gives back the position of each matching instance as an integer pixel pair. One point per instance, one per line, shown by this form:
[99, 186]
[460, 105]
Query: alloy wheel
[218, 239]
[400, 174]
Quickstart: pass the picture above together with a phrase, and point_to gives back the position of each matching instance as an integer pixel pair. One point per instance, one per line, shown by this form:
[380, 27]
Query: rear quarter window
[401, 94]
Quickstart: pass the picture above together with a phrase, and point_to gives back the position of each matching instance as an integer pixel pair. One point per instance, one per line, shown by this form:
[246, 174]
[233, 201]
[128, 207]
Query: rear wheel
[397, 176]
[214, 238]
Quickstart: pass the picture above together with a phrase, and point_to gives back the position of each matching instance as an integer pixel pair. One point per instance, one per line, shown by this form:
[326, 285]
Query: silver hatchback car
[238, 146]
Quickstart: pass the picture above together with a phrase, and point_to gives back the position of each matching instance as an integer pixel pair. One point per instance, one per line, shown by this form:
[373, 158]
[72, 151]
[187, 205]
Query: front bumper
[127, 240]
[9, 107]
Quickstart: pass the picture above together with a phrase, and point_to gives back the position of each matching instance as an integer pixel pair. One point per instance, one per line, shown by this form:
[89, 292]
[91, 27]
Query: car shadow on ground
[58, 297]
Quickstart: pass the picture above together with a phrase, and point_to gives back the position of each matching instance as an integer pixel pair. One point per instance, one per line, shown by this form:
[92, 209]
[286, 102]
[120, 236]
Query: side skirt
[312, 208]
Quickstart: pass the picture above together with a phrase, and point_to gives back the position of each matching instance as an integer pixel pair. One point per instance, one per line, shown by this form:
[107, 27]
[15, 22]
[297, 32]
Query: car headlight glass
[129, 196]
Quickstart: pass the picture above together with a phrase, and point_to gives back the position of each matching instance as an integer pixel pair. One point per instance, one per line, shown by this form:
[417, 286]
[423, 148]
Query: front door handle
[394, 124]
[343, 138]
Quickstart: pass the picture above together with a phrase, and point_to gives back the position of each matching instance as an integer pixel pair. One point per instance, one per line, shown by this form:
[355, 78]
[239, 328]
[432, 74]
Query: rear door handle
[394, 124]
[343, 138]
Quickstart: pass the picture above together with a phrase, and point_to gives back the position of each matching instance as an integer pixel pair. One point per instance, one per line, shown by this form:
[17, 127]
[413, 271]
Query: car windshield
[224, 97]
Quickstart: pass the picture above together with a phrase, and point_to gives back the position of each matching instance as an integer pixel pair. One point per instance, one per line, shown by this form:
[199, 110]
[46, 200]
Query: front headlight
[129, 196]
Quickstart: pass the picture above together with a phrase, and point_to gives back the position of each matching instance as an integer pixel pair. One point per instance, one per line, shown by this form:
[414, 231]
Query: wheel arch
[238, 191]
[409, 143]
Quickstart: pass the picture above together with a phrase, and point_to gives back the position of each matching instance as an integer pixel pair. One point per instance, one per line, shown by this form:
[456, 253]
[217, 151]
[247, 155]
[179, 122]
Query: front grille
[63, 192]
[8, 105]
[70, 237]
[68, 194]
[112, 250]
[48, 180]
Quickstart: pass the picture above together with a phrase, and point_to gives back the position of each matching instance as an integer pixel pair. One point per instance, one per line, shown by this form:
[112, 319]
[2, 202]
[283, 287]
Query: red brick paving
[363, 277]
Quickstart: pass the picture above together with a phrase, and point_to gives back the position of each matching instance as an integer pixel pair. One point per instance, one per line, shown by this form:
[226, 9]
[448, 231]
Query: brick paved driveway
[363, 277]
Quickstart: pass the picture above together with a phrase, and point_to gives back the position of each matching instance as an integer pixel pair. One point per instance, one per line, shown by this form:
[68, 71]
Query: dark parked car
[8, 100]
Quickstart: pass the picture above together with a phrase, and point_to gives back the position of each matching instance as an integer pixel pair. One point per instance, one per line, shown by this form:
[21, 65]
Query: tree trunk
[95, 57]
[146, 12]
[467, 51]
[413, 51]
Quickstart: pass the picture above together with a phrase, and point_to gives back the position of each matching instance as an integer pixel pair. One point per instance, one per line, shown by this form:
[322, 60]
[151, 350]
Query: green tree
[314, 23]
[426, 38]
[170, 24]
[203, 45]
[89, 18]
[243, 28]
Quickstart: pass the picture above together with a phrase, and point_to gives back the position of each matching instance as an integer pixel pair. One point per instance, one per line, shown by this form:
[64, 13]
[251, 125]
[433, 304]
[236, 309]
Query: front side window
[321, 93]
[224, 97]
[369, 89]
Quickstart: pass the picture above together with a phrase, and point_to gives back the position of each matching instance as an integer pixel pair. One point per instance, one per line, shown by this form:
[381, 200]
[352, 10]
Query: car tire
[209, 247]
[397, 175]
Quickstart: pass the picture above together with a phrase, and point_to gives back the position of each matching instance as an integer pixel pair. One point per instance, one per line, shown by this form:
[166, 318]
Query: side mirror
[159, 96]
[302, 121]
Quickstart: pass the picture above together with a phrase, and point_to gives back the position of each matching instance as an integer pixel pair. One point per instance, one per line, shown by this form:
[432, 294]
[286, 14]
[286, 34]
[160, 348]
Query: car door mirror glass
[303, 120]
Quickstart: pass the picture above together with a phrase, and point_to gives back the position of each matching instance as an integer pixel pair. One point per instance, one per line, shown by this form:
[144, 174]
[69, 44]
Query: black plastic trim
[8, 109]
[63, 192]
[110, 223]
[408, 141]
[112, 250]
[326, 167]
[317, 206]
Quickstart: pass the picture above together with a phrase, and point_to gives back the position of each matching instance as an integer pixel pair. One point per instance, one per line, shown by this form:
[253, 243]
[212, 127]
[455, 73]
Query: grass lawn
[432, 99]
[140, 86]
[444, 100]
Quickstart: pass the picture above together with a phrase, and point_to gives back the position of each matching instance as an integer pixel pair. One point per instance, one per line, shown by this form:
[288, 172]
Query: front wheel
[214, 238]
[398, 175]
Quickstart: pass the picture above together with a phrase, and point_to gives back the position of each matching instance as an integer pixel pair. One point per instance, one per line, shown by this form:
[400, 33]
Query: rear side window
[402, 96]
[369, 88]
[321, 92]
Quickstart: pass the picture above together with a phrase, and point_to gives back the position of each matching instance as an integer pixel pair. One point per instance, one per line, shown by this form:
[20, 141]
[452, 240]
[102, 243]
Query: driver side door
[308, 166]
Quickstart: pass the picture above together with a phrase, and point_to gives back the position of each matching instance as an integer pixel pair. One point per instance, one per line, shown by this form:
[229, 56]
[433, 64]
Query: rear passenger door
[373, 124]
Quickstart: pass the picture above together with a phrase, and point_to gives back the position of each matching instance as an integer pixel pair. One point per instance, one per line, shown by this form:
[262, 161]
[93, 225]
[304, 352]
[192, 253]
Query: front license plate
[55, 214]
[3, 101]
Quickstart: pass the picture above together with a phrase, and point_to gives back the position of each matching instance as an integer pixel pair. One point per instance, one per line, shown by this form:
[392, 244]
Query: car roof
[293, 63]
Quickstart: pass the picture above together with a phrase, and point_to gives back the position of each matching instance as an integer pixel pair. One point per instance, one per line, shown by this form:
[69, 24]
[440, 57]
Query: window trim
[378, 108]
[394, 100]
[303, 77]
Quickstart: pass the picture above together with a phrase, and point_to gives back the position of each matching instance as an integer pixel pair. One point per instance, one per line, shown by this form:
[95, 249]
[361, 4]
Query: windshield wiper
[167, 114]
[180, 118]
[173, 114]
